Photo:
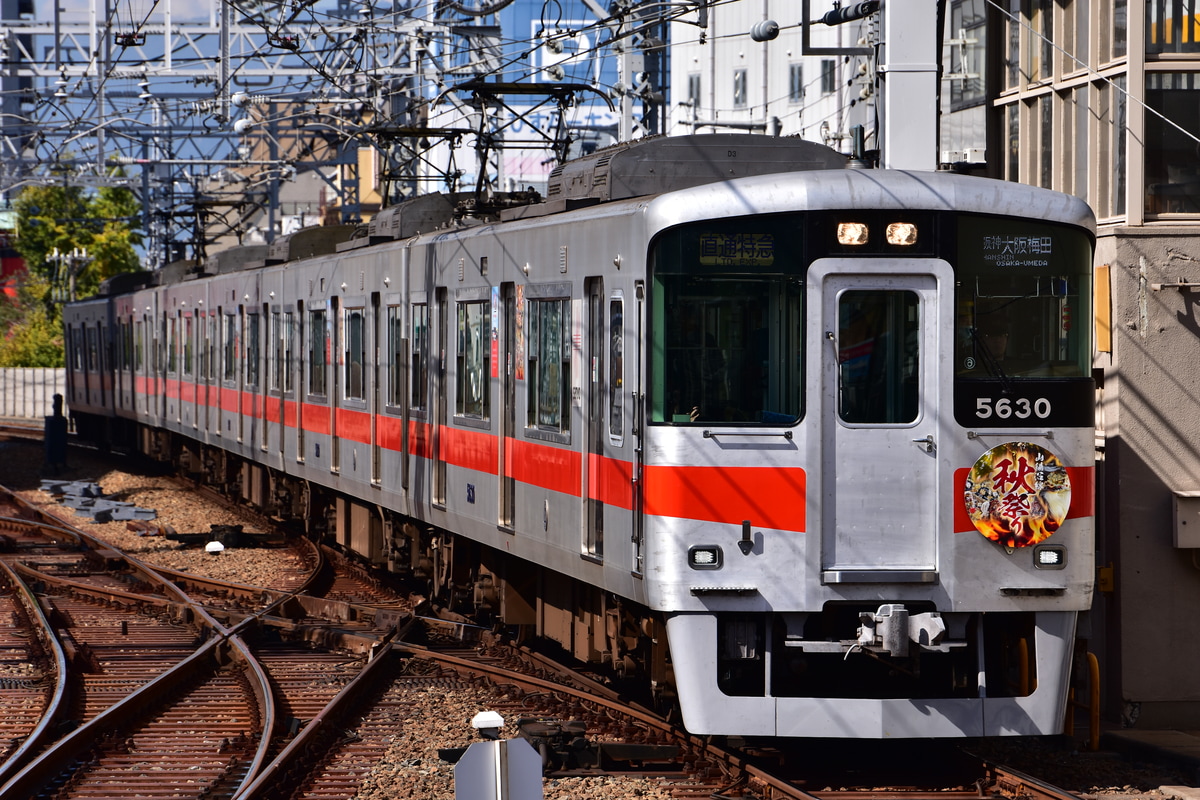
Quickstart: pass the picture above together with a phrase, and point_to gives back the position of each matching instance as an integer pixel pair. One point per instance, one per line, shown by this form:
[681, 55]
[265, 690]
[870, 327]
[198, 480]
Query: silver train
[806, 449]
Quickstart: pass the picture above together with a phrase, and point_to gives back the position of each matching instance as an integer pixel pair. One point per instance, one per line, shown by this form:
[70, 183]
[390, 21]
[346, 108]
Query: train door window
[395, 356]
[188, 344]
[473, 389]
[289, 332]
[355, 353]
[419, 362]
[878, 356]
[275, 352]
[616, 366]
[173, 346]
[229, 340]
[139, 345]
[77, 349]
[207, 333]
[548, 372]
[93, 349]
[253, 352]
[317, 339]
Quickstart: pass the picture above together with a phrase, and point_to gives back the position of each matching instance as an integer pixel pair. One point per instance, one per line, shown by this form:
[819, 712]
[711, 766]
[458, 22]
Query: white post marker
[497, 770]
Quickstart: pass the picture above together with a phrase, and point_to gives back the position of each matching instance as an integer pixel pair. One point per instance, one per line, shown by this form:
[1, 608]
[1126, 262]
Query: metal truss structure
[206, 114]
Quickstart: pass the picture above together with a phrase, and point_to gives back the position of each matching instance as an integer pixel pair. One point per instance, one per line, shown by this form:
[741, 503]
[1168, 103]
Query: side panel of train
[738, 419]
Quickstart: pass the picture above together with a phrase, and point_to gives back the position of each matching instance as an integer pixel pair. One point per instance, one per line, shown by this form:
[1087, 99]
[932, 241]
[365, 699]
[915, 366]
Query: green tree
[33, 335]
[63, 218]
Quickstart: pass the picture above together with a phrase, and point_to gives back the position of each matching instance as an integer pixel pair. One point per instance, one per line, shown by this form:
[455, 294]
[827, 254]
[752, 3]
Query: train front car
[869, 464]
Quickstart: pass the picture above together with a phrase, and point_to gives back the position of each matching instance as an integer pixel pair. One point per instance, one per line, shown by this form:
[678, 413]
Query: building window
[1046, 149]
[1172, 168]
[795, 83]
[356, 353]
[828, 76]
[1012, 60]
[1013, 113]
[739, 88]
[549, 367]
[474, 359]
[317, 338]
[252, 350]
[693, 90]
[967, 20]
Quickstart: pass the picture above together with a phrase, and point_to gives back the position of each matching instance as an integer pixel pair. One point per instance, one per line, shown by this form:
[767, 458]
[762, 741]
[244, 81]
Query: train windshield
[1023, 300]
[727, 323]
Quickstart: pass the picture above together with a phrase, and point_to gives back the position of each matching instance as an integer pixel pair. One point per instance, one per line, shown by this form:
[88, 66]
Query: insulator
[764, 31]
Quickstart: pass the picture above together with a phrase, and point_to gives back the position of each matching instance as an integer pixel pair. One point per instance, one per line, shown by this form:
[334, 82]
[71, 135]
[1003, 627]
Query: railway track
[246, 691]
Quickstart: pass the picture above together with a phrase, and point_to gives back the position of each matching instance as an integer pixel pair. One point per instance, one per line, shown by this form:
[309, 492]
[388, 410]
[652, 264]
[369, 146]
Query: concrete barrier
[28, 393]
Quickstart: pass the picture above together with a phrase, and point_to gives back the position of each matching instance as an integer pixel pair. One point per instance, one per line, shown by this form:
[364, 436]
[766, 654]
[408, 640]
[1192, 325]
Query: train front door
[879, 403]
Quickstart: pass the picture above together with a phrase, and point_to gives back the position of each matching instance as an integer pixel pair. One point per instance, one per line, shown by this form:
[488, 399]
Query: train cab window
[1023, 301]
[317, 336]
[356, 353]
[878, 356]
[474, 359]
[727, 323]
[548, 373]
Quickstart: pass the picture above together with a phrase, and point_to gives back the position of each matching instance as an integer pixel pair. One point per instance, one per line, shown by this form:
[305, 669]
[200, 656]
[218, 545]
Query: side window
[317, 337]
[549, 365]
[474, 359]
[419, 363]
[356, 353]
[252, 350]
[616, 365]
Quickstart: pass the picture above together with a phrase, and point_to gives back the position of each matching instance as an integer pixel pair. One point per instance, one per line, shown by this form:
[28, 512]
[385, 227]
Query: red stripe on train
[1083, 496]
[769, 497]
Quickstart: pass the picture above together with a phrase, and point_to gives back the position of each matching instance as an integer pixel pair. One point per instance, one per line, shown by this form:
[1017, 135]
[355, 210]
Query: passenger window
[549, 365]
[474, 359]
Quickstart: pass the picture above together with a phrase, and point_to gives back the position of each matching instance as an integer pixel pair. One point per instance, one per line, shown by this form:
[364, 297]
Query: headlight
[705, 556]
[1050, 556]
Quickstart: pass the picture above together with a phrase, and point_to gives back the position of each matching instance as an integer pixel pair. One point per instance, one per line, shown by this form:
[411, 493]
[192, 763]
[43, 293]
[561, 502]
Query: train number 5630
[1004, 407]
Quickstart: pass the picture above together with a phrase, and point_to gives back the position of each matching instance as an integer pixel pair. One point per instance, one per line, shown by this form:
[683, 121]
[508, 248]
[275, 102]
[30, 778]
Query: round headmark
[1018, 494]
